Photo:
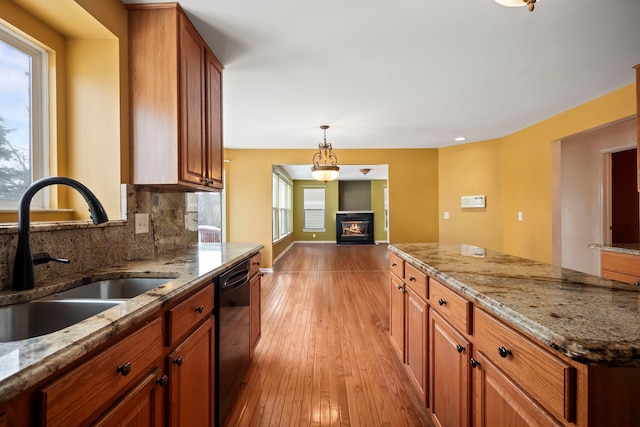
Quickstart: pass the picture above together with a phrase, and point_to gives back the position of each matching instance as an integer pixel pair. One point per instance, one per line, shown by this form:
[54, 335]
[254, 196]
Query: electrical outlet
[519, 216]
[446, 215]
[142, 223]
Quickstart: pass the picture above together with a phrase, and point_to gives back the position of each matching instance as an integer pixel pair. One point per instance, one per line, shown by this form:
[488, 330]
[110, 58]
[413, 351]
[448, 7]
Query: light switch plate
[142, 223]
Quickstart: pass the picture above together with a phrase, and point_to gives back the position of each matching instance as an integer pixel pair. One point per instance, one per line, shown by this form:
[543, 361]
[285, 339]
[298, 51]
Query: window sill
[281, 238]
[314, 230]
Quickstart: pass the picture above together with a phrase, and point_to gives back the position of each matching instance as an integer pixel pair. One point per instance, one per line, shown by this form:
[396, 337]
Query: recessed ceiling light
[460, 139]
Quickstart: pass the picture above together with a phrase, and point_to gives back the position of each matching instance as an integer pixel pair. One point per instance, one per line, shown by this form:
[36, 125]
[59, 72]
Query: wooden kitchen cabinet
[500, 401]
[397, 315]
[416, 338]
[176, 101]
[546, 378]
[449, 374]
[255, 302]
[619, 266]
[191, 368]
[103, 380]
[142, 406]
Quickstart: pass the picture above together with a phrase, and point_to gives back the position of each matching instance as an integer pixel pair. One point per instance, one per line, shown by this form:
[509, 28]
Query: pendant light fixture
[517, 3]
[325, 163]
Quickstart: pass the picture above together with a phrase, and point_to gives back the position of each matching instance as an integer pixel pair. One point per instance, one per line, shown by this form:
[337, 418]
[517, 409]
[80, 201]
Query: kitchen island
[27, 365]
[554, 344]
[620, 261]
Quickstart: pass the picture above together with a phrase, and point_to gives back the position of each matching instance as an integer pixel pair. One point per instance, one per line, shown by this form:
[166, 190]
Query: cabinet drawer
[186, 315]
[254, 264]
[454, 308]
[85, 392]
[396, 265]
[621, 267]
[417, 281]
[545, 377]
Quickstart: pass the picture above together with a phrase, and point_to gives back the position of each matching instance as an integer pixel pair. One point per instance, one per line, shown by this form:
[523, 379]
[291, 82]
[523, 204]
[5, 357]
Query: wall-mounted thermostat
[472, 201]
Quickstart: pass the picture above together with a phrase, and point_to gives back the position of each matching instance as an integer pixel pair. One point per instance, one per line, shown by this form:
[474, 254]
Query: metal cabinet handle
[459, 348]
[163, 380]
[200, 309]
[474, 363]
[125, 369]
[178, 361]
[256, 262]
[404, 291]
[636, 283]
[412, 279]
[441, 301]
[504, 352]
[393, 264]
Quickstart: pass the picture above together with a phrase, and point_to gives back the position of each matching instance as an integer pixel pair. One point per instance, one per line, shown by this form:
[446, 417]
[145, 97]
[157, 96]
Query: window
[313, 209]
[386, 208]
[282, 206]
[23, 123]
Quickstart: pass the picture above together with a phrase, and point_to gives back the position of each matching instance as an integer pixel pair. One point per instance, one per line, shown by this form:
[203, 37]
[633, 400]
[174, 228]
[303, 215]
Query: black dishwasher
[232, 335]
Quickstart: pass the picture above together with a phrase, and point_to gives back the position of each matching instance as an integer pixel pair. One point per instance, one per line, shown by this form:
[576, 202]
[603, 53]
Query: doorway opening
[625, 218]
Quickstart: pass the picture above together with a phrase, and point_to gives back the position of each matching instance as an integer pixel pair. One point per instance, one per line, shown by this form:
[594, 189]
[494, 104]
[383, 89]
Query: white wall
[581, 202]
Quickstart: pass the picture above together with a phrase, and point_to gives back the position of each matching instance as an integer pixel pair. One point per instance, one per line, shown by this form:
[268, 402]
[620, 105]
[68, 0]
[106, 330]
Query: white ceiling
[347, 172]
[409, 73]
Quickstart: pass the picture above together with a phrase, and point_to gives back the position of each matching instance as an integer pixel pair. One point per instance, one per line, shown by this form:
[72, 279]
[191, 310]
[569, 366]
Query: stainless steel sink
[40, 317]
[113, 289]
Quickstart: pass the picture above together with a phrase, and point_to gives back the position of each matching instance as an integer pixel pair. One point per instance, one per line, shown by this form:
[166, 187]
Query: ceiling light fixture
[365, 171]
[517, 3]
[325, 163]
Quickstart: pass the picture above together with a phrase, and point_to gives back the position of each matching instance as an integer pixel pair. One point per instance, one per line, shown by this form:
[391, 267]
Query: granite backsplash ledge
[90, 246]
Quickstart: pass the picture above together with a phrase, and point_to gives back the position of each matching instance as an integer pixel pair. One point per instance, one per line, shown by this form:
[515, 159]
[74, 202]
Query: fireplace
[354, 228]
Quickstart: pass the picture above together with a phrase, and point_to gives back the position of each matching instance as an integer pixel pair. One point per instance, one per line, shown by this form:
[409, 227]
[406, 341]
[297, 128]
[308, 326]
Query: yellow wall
[413, 191]
[89, 99]
[468, 170]
[518, 166]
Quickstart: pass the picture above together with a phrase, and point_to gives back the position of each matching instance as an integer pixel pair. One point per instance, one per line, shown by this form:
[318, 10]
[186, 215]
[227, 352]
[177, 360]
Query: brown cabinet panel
[255, 315]
[186, 315]
[397, 315]
[451, 306]
[396, 265]
[417, 280]
[416, 341]
[142, 406]
[545, 377]
[622, 267]
[449, 376]
[176, 101]
[191, 378]
[498, 401]
[97, 382]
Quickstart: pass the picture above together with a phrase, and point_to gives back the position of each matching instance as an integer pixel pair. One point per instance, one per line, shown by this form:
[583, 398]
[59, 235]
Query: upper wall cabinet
[176, 101]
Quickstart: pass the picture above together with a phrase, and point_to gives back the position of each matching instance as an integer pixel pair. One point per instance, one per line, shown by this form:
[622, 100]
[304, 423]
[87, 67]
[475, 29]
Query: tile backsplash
[88, 246]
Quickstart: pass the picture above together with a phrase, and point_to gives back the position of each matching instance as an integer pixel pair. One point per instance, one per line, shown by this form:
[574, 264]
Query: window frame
[305, 227]
[281, 216]
[39, 114]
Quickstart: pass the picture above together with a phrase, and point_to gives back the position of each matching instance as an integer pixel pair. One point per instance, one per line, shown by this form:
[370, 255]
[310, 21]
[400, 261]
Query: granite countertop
[622, 248]
[26, 362]
[591, 320]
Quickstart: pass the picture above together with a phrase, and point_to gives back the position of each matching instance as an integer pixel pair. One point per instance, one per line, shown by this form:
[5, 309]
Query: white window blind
[386, 208]
[314, 209]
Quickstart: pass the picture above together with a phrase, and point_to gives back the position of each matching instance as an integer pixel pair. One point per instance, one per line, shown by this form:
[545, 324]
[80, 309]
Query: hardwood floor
[325, 357]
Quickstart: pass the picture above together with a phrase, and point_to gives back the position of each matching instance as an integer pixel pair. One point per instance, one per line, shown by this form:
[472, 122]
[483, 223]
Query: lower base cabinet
[449, 374]
[416, 340]
[254, 316]
[142, 406]
[191, 377]
[499, 401]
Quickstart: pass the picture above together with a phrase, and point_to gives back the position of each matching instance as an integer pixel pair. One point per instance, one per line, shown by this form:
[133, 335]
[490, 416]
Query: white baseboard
[266, 270]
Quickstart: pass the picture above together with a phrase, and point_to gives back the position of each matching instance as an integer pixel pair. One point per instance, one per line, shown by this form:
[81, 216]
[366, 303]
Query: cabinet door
[213, 111]
[498, 401]
[191, 379]
[254, 302]
[192, 93]
[416, 340]
[142, 406]
[396, 315]
[450, 392]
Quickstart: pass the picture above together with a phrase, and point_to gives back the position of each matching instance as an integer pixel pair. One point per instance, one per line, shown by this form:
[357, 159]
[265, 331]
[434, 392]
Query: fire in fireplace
[354, 227]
